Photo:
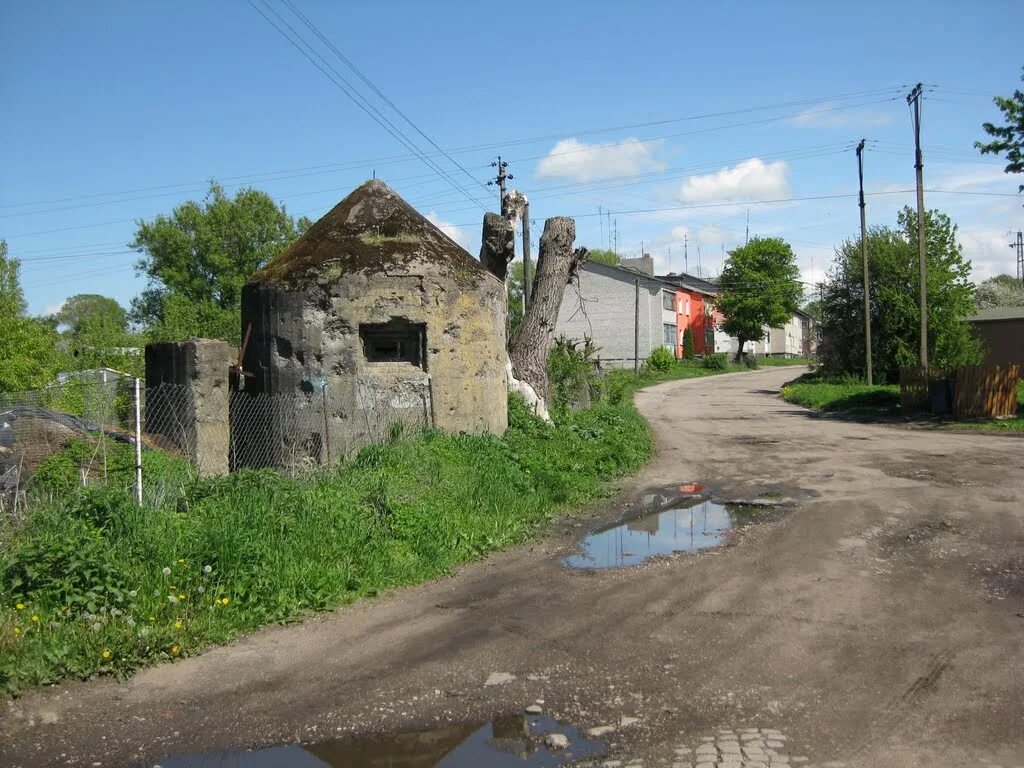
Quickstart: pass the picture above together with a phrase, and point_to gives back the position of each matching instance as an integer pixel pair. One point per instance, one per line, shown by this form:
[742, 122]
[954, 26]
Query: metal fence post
[138, 444]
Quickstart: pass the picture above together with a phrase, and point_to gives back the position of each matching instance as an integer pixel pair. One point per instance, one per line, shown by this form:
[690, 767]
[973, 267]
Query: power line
[339, 81]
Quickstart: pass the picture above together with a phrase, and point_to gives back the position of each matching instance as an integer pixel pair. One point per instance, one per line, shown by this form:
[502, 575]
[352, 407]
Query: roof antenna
[374, 174]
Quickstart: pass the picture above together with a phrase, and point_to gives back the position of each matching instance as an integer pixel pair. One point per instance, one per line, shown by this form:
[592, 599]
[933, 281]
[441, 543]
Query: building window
[396, 341]
[670, 336]
[668, 301]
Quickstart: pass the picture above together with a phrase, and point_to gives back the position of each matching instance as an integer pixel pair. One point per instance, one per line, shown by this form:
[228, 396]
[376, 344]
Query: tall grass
[92, 584]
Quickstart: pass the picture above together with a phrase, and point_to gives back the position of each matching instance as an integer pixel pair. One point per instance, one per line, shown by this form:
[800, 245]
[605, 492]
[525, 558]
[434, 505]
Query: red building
[694, 310]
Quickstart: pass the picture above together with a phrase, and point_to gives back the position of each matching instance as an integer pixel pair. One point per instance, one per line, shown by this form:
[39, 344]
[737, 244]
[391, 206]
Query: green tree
[689, 353]
[28, 345]
[760, 287]
[604, 256]
[999, 291]
[895, 296]
[514, 284]
[96, 334]
[1008, 138]
[203, 253]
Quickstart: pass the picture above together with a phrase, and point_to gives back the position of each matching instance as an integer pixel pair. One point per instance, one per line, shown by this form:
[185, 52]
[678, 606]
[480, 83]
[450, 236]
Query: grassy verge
[91, 584]
[618, 385]
[855, 398]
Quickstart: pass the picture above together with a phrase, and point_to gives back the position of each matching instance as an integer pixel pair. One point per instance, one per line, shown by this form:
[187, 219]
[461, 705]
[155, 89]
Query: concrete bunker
[374, 317]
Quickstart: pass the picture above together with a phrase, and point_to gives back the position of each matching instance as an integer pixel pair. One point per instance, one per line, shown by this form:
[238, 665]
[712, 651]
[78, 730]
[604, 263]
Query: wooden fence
[978, 391]
[915, 393]
[986, 391]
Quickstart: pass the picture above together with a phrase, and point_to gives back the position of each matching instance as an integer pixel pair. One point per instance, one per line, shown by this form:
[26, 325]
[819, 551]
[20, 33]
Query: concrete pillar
[187, 396]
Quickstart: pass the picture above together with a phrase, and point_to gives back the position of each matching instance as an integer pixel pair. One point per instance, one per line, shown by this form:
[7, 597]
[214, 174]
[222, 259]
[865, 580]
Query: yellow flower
[34, 617]
[152, 618]
[175, 649]
[106, 654]
[20, 606]
[180, 562]
[181, 597]
[225, 601]
[17, 630]
[178, 625]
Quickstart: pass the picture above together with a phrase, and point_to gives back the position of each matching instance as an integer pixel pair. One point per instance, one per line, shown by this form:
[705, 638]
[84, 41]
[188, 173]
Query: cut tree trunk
[499, 244]
[556, 263]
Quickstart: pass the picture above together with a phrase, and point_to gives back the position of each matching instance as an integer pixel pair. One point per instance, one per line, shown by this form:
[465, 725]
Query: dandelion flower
[17, 630]
[181, 596]
[152, 618]
[35, 617]
[207, 569]
[181, 562]
[175, 649]
[106, 654]
[20, 606]
[166, 571]
[178, 625]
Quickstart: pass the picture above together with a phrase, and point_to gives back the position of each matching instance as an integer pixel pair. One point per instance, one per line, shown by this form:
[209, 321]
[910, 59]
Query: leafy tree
[28, 345]
[604, 256]
[203, 253]
[895, 296]
[760, 287]
[96, 334]
[1008, 138]
[999, 291]
[514, 284]
[689, 352]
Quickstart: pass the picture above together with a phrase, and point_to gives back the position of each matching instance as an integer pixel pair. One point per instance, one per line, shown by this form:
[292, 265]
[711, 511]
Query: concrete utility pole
[686, 254]
[1019, 245]
[502, 178]
[914, 101]
[526, 257]
[864, 255]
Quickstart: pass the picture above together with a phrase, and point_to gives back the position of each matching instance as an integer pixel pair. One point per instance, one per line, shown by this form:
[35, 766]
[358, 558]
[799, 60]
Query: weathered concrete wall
[305, 339]
[187, 397]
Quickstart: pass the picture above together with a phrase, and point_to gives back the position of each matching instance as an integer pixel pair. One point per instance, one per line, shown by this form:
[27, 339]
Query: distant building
[1001, 332]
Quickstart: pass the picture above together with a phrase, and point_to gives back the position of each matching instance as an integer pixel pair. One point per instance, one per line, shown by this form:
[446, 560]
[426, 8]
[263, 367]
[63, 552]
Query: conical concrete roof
[371, 230]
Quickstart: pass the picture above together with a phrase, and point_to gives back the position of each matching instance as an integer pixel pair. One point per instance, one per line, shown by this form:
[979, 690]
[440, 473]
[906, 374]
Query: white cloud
[827, 115]
[988, 251]
[53, 309]
[752, 179]
[574, 160]
[453, 231]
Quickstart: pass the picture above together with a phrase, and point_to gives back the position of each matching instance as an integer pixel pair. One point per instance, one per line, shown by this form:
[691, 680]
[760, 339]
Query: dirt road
[878, 622]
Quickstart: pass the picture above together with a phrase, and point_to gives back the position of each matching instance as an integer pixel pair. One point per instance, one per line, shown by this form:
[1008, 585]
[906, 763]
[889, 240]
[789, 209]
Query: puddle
[509, 741]
[688, 525]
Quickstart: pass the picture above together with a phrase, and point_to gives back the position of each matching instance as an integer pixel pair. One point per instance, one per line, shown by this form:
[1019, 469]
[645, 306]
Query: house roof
[997, 313]
[372, 230]
[693, 282]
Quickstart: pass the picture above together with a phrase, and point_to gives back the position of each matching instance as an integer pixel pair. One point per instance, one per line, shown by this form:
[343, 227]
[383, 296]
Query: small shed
[373, 317]
[1001, 333]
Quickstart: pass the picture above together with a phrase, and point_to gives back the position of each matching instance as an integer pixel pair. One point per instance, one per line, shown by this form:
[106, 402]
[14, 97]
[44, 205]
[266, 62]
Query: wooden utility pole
[864, 255]
[636, 327]
[527, 282]
[914, 101]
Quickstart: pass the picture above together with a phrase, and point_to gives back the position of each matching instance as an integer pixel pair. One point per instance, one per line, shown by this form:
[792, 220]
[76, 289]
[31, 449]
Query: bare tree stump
[556, 263]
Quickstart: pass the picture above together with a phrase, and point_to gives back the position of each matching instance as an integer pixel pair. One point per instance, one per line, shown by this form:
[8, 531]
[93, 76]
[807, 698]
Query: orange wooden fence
[915, 396]
[986, 391]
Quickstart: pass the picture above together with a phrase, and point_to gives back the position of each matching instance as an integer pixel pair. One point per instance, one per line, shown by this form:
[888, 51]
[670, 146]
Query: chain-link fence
[82, 432]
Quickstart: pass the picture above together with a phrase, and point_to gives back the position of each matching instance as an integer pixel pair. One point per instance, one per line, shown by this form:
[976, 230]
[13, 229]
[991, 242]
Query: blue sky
[118, 111]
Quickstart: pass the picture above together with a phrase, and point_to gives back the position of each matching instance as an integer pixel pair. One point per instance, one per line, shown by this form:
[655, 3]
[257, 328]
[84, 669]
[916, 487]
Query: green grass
[619, 384]
[855, 398]
[91, 584]
[848, 396]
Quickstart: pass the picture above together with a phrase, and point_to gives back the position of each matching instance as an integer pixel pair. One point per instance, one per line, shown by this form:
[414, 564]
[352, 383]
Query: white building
[600, 304]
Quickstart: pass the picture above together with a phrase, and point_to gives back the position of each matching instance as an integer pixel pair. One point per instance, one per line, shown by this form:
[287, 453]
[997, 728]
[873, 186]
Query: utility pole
[914, 101]
[636, 327]
[1019, 245]
[600, 223]
[864, 255]
[616, 249]
[746, 239]
[500, 181]
[699, 272]
[686, 254]
[527, 282]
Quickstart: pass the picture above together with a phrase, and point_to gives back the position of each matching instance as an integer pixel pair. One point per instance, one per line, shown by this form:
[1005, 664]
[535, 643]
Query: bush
[750, 361]
[571, 372]
[715, 361]
[661, 360]
[689, 351]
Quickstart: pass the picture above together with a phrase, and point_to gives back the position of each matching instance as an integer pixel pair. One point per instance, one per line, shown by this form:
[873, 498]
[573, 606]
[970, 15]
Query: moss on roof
[371, 230]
